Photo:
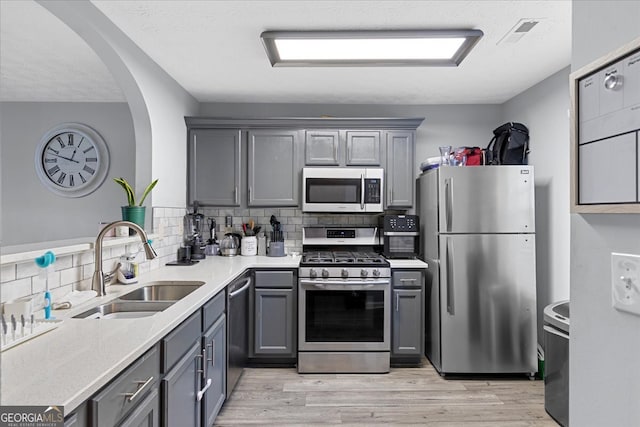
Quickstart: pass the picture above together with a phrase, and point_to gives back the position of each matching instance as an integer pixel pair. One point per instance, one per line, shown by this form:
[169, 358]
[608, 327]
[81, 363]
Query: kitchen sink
[124, 310]
[163, 291]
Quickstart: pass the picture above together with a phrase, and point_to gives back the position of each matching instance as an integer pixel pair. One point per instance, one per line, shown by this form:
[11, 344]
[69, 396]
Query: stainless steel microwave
[342, 189]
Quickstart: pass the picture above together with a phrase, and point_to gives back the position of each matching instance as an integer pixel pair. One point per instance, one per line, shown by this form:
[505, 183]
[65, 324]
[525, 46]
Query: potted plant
[134, 212]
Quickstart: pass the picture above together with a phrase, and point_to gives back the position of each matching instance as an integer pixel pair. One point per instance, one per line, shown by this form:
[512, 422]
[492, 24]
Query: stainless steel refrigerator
[478, 238]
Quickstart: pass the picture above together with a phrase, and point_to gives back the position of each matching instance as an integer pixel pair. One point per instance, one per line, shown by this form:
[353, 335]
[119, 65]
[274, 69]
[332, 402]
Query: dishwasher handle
[242, 289]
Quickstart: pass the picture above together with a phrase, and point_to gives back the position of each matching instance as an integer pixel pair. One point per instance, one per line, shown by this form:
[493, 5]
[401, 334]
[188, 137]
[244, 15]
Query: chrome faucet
[98, 281]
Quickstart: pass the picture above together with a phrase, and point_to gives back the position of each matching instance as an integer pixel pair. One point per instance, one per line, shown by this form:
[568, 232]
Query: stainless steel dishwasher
[238, 294]
[556, 355]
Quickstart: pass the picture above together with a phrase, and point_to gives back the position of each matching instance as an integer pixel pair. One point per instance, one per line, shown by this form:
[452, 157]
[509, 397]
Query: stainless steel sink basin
[124, 310]
[163, 291]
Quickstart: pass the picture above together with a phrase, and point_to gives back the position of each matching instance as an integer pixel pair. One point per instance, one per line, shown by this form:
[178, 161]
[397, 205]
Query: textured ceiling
[213, 49]
[41, 59]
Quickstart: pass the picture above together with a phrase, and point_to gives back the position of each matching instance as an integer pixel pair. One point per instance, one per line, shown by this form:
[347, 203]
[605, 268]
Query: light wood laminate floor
[405, 396]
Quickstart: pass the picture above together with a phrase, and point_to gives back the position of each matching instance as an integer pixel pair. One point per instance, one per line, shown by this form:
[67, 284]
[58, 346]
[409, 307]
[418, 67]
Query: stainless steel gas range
[344, 297]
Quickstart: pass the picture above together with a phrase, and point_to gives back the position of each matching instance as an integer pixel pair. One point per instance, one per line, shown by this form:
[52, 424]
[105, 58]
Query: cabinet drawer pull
[204, 389]
[408, 280]
[132, 396]
[212, 360]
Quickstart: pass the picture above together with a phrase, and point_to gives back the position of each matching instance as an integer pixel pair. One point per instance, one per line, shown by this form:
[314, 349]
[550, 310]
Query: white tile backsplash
[74, 272]
[15, 289]
[8, 273]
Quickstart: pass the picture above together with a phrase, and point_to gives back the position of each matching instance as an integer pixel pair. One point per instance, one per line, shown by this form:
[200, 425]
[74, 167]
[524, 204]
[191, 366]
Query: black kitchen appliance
[194, 226]
[400, 236]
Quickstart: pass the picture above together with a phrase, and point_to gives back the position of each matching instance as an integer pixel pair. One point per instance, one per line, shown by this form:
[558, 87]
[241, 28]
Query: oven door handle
[336, 285]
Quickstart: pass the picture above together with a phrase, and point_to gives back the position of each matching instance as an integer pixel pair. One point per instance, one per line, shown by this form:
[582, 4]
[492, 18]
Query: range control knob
[313, 273]
[325, 273]
[364, 272]
[345, 273]
[376, 273]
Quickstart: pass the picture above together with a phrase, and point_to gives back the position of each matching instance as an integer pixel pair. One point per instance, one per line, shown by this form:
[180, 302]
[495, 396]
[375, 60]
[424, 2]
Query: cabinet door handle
[212, 360]
[397, 302]
[235, 195]
[204, 390]
[131, 396]
[362, 192]
[249, 195]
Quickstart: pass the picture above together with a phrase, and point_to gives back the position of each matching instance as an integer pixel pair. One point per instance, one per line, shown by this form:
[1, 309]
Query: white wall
[158, 103]
[31, 213]
[544, 108]
[605, 343]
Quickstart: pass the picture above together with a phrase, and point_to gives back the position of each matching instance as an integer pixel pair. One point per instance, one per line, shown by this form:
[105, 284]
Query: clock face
[72, 160]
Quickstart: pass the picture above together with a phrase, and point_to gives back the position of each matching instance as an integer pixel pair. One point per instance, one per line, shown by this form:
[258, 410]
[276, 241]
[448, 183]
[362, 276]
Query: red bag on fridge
[474, 156]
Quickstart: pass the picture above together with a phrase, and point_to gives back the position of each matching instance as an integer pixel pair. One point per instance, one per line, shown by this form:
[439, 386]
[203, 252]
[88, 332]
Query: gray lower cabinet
[407, 320]
[125, 393]
[214, 167]
[274, 325]
[399, 171]
[79, 417]
[407, 315]
[274, 321]
[214, 372]
[273, 167]
[180, 405]
[147, 414]
[181, 381]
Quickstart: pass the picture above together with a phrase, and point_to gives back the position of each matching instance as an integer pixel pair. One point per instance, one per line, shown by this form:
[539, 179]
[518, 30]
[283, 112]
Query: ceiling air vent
[518, 31]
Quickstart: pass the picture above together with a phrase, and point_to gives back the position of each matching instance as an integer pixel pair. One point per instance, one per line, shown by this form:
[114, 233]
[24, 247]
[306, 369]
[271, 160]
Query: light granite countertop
[69, 364]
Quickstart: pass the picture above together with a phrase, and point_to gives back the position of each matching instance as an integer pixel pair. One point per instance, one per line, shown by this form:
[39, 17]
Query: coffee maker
[194, 226]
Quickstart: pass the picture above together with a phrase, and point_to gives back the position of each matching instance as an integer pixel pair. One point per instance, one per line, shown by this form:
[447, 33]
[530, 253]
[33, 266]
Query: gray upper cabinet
[399, 171]
[363, 148]
[214, 167]
[273, 167]
[322, 148]
[278, 148]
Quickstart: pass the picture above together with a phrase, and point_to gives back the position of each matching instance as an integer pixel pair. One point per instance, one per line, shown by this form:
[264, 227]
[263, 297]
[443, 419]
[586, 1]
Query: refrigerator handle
[449, 266]
[448, 203]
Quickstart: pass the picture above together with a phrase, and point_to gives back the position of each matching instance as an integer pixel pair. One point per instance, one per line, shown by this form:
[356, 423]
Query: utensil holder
[249, 246]
[276, 249]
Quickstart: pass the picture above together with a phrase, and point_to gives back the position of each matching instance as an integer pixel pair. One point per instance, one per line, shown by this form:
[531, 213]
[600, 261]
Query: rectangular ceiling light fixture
[444, 48]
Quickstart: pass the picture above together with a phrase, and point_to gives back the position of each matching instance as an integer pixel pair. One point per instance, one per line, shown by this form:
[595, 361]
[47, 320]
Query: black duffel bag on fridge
[509, 145]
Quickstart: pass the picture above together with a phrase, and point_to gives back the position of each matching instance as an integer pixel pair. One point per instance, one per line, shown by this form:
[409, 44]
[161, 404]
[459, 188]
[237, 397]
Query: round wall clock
[72, 160]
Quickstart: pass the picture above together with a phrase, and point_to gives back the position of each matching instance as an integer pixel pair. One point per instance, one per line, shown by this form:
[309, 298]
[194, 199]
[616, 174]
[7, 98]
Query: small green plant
[131, 195]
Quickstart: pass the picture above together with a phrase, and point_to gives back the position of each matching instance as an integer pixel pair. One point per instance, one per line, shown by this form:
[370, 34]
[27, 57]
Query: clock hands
[66, 158]
[74, 154]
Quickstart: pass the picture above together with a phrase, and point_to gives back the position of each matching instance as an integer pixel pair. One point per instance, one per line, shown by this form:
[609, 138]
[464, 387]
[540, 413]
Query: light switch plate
[625, 282]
